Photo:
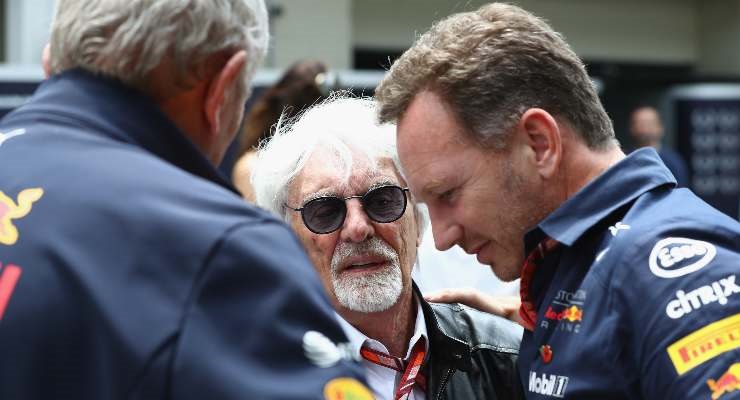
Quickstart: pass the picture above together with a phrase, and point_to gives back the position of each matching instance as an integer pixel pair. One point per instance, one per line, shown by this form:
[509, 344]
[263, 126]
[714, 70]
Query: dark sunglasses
[326, 214]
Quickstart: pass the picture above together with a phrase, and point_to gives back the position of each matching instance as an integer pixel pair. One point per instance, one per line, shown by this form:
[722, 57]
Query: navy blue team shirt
[640, 300]
[129, 268]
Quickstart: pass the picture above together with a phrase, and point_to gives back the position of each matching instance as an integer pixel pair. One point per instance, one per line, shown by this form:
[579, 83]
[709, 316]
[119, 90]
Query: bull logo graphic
[728, 382]
[10, 210]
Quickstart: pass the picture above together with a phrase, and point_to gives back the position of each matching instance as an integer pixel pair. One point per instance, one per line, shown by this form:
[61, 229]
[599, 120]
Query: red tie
[411, 369]
[527, 311]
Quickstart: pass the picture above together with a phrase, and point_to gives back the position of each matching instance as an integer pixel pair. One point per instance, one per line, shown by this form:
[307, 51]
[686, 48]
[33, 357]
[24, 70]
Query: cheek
[472, 213]
[403, 239]
[320, 249]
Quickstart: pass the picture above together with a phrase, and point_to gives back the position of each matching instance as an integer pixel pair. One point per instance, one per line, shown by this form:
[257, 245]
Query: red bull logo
[9, 277]
[10, 210]
[572, 314]
[728, 382]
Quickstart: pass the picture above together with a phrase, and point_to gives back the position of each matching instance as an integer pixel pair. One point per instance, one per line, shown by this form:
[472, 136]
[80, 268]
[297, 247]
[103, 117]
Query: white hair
[341, 124]
[127, 39]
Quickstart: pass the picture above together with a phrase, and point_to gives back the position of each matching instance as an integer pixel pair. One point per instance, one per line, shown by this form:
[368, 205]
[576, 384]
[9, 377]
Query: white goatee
[369, 293]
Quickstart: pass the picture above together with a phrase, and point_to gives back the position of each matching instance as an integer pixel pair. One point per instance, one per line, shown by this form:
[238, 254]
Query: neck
[583, 165]
[392, 327]
[648, 143]
[190, 122]
[183, 105]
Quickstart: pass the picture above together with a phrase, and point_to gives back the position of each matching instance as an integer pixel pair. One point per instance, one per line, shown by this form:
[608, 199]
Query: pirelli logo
[704, 344]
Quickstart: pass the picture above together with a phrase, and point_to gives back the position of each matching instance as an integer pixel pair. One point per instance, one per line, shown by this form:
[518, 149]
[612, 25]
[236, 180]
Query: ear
[544, 139]
[223, 81]
[419, 231]
[46, 60]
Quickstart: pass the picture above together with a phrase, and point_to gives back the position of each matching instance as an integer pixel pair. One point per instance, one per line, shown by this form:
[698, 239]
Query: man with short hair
[629, 287]
[646, 130]
[333, 177]
[129, 268]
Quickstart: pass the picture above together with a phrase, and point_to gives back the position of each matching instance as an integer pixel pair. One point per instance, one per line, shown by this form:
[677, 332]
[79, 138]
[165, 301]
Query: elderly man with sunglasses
[332, 175]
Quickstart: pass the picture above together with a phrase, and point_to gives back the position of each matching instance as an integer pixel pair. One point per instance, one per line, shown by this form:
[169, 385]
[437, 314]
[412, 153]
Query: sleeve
[242, 336]
[681, 302]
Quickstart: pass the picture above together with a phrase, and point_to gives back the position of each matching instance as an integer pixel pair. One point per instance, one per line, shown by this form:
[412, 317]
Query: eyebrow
[332, 192]
[433, 186]
[383, 182]
[318, 194]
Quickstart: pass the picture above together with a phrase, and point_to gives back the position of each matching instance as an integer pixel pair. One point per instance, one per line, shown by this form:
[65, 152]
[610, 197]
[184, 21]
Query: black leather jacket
[472, 354]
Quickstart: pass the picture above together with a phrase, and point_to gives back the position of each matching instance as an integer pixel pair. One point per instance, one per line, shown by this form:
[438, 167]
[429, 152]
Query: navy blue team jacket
[130, 269]
[641, 301]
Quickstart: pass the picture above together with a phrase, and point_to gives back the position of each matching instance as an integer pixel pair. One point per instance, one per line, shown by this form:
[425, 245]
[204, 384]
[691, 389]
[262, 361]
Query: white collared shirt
[383, 380]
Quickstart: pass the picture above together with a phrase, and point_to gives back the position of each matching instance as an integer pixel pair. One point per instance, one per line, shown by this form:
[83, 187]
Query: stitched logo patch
[9, 277]
[565, 313]
[11, 134]
[716, 292]
[728, 382]
[346, 389]
[10, 210]
[704, 344]
[324, 353]
[548, 385]
[673, 257]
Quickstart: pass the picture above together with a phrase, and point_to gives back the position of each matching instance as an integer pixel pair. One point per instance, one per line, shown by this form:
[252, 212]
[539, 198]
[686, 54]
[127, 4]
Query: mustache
[373, 246]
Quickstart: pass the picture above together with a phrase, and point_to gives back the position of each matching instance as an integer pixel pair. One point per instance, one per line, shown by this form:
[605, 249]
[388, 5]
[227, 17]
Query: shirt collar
[108, 107]
[357, 339]
[636, 174]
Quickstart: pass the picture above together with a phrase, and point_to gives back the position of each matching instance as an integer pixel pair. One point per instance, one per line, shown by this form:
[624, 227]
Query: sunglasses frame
[404, 190]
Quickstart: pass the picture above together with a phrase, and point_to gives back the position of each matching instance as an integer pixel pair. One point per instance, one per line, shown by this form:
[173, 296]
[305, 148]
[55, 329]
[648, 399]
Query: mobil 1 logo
[548, 385]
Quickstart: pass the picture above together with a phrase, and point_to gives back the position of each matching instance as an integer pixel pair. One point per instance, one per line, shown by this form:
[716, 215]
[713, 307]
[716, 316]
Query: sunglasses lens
[385, 204]
[324, 215]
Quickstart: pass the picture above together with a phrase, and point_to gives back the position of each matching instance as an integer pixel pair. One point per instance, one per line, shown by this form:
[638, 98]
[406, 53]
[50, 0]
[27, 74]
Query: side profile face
[364, 265]
[482, 200]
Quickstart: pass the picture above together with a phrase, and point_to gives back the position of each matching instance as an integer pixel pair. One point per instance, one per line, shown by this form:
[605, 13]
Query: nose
[445, 231]
[357, 225]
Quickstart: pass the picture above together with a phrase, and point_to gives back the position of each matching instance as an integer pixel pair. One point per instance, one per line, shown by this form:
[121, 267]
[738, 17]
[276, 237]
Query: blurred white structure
[455, 268]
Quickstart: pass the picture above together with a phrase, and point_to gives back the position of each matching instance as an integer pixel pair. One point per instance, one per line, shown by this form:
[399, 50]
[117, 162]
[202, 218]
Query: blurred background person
[646, 130]
[303, 84]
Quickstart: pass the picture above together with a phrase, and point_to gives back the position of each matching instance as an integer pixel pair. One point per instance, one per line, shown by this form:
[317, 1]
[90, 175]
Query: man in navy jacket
[629, 286]
[129, 268]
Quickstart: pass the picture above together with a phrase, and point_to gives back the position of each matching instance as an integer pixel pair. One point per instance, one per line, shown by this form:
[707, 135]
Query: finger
[458, 295]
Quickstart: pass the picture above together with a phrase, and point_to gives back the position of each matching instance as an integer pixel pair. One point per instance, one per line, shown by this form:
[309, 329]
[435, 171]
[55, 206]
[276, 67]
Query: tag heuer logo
[674, 257]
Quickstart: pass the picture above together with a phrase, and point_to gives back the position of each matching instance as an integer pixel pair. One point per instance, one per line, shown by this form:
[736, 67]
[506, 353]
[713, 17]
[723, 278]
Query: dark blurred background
[679, 56]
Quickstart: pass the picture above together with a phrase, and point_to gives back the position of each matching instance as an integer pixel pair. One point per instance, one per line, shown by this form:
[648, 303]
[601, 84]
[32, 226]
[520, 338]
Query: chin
[505, 274]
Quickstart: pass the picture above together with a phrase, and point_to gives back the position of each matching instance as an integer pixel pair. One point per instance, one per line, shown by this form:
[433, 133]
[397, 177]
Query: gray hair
[127, 39]
[341, 124]
[490, 66]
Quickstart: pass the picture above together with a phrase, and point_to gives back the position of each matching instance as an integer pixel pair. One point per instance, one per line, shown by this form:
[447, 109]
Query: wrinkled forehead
[327, 173]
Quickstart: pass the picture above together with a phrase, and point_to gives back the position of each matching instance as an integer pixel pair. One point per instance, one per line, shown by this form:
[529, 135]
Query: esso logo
[674, 257]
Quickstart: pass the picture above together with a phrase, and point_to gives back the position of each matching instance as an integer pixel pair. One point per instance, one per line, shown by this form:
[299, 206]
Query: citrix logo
[717, 291]
[553, 385]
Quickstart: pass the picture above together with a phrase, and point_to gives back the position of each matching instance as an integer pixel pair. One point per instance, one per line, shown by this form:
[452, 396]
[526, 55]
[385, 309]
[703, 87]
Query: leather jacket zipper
[443, 383]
